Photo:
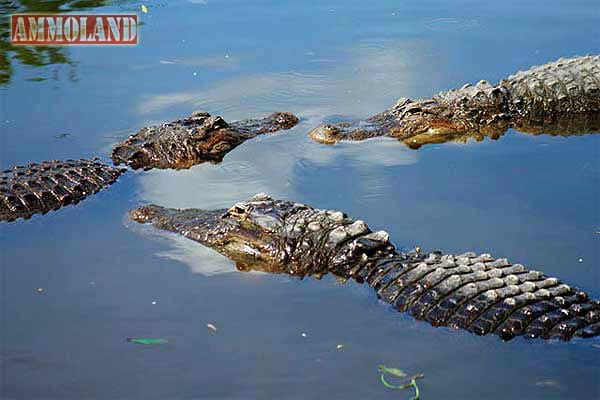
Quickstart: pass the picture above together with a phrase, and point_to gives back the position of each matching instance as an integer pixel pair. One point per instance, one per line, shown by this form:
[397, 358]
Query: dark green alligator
[562, 97]
[477, 293]
[39, 188]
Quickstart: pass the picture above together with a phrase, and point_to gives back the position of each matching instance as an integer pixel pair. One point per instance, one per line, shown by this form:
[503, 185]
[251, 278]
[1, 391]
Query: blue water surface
[534, 199]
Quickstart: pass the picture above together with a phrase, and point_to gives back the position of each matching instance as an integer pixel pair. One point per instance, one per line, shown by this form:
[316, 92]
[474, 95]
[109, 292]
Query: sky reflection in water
[532, 199]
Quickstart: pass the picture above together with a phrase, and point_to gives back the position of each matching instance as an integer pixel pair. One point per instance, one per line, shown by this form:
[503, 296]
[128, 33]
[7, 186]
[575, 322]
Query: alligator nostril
[285, 120]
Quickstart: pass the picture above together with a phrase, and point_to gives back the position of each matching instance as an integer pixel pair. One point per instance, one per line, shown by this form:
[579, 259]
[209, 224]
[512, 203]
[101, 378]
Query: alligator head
[407, 119]
[193, 140]
[275, 236]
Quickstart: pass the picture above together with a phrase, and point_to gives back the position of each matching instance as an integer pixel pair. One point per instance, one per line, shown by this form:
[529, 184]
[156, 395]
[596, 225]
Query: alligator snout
[145, 214]
[284, 120]
[326, 134]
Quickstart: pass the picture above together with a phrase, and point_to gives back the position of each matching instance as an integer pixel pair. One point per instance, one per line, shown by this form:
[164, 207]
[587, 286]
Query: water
[532, 199]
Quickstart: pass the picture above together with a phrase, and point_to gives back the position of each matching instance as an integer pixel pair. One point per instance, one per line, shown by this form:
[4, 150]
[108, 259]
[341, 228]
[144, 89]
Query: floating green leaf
[392, 371]
[147, 341]
[400, 374]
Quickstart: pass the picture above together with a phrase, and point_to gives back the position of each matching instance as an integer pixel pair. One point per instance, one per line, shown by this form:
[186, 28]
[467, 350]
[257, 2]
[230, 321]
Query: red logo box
[69, 29]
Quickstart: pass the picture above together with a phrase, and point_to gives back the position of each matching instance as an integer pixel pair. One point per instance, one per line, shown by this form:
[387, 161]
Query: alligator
[476, 293]
[50, 185]
[199, 138]
[41, 187]
[561, 97]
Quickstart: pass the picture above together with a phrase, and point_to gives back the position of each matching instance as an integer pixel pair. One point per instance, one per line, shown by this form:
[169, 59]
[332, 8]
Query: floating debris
[211, 327]
[580, 260]
[40, 290]
[62, 136]
[392, 371]
[304, 334]
[548, 383]
[144, 9]
[154, 302]
[339, 346]
[398, 373]
[146, 341]
[596, 346]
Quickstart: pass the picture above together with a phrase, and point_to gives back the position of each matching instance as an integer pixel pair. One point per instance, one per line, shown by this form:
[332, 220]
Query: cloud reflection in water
[369, 80]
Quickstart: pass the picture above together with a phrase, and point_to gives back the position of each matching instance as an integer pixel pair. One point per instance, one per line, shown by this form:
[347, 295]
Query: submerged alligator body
[39, 188]
[472, 292]
[562, 97]
[50, 185]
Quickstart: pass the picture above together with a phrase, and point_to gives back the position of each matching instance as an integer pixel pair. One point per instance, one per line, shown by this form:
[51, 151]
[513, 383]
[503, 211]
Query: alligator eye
[237, 211]
[413, 109]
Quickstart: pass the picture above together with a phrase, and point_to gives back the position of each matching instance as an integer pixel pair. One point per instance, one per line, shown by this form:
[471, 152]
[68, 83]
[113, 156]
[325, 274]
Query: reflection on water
[387, 70]
[41, 56]
[199, 259]
[35, 56]
[564, 125]
[530, 199]
[242, 174]
[452, 24]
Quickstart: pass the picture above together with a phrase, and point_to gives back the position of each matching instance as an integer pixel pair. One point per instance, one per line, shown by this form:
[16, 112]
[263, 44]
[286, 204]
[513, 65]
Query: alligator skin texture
[50, 185]
[559, 98]
[477, 293]
[193, 140]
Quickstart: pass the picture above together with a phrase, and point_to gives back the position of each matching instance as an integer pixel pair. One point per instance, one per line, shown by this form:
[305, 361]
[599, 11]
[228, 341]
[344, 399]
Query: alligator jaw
[406, 119]
[272, 123]
[230, 232]
[347, 131]
[200, 223]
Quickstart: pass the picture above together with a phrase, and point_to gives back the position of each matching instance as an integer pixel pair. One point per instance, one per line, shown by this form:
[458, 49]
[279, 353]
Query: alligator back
[485, 295]
[39, 188]
[473, 292]
[566, 86]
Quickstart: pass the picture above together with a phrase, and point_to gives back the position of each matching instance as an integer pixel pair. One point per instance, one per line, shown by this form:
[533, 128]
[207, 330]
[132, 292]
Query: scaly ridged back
[472, 292]
[568, 85]
[39, 188]
[486, 295]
